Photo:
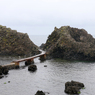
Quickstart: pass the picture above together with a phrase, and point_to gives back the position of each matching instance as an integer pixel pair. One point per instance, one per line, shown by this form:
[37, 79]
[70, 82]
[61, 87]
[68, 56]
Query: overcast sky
[39, 17]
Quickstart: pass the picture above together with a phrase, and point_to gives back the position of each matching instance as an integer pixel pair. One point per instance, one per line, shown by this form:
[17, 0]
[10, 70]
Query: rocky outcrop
[73, 87]
[71, 44]
[14, 43]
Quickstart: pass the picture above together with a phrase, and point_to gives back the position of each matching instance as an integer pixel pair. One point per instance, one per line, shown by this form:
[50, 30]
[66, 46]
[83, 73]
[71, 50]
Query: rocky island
[13, 43]
[71, 44]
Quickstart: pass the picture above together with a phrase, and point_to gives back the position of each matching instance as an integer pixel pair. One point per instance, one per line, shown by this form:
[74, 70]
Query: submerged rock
[70, 44]
[73, 87]
[14, 43]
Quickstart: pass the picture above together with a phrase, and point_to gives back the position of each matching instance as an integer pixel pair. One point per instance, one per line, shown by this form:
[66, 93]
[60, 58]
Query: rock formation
[73, 87]
[70, 44]
[13, 43]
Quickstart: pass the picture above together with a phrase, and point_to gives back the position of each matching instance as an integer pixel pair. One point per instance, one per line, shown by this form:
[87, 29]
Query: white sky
[39, 17]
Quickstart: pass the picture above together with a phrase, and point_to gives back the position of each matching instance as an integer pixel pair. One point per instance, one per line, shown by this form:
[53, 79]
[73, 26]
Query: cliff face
[13, 43]
[71, 44]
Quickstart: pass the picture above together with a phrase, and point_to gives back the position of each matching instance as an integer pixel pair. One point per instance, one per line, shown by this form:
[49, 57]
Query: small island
[70, 44]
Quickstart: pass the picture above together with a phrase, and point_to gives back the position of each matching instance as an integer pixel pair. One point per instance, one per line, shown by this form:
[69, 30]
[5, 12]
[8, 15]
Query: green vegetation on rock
[70, 44]
[13, 43]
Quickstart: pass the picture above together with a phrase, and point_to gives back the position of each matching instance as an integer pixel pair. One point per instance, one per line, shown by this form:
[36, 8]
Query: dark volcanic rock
[32, 68]
[73, 87]
[40, 93]
[14, 43]
[71, 44]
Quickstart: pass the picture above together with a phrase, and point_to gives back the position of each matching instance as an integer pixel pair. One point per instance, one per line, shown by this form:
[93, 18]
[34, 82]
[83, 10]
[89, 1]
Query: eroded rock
[73, 87]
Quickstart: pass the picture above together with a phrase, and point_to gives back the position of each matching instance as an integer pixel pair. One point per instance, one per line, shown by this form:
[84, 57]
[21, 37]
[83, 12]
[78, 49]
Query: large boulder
[14, 43]
[73, 87]
[70, 44]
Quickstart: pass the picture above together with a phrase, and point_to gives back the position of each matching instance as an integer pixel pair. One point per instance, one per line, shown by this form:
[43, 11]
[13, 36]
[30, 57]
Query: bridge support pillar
[42, 57]
[30, 61]
[17, 65]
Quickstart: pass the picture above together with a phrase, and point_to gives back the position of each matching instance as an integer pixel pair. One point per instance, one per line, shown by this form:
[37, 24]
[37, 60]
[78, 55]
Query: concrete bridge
[31, 59]
[27, 60]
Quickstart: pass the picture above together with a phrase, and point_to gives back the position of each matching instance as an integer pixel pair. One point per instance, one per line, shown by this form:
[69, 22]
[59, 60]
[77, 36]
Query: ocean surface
[50, 79]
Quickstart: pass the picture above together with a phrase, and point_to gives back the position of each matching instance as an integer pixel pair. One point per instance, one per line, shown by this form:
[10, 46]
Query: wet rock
[5, 70]
[32, 68]
[73, 87]
[40, 93]
[72, 90]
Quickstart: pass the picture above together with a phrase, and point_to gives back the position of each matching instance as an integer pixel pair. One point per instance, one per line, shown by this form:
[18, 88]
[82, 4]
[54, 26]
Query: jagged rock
[70, 44]
[32, 68]
[40, 93]
[14, 43]
[73, 87]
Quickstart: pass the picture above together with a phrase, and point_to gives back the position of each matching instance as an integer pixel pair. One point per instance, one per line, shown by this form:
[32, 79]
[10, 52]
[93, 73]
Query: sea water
[50, 79]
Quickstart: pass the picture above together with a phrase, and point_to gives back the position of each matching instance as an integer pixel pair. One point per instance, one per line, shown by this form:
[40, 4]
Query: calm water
[49, 79]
